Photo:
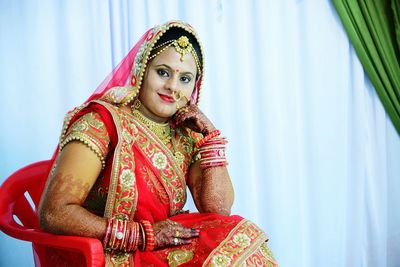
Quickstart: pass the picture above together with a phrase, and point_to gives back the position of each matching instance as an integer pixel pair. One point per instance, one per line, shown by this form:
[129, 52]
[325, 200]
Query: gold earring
[136, 104]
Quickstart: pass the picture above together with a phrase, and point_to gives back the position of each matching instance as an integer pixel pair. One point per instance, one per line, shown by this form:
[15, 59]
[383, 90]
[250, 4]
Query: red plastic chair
[13, 202]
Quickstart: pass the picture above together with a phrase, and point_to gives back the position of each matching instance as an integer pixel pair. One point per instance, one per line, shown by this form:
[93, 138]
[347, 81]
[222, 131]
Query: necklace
[161, 130]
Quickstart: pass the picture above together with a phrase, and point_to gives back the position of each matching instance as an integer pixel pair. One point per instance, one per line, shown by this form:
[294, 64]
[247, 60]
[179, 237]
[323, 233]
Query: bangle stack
[124, 235]
[212, 150]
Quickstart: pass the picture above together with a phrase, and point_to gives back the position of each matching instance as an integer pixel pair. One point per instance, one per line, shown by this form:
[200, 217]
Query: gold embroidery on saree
[122, 194]
[179, 256]
[262, 257]
[154, 185]
[162, 159]
[241, 243]
[90, 130]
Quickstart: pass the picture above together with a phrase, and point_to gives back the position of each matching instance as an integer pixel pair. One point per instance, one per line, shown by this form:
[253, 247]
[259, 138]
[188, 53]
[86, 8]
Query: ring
[176, 241]
[177, 233]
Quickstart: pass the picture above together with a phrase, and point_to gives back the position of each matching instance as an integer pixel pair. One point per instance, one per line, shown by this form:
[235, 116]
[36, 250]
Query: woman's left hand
[168, 233]
[192, 118]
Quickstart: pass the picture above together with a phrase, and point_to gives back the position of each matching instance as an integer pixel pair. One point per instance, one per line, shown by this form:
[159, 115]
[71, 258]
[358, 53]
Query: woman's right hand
[168, 233]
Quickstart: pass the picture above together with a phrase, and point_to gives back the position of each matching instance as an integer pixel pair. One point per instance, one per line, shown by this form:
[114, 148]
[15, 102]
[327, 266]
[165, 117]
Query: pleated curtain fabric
[396, 20]
[313, 156]
[374, 30]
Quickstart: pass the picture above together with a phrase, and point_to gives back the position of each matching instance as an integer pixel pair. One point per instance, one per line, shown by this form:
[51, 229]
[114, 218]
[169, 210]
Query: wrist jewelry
[208, 137]
[122, 235]
[212, 152]
[149, 233]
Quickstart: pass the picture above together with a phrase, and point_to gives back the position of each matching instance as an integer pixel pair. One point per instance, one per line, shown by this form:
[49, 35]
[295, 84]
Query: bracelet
[108, 232]
[149, 235]
[212, 153]
[211, 135]
[137, 236]
[131, 239]
[143, 234]
[113, 234]
[213, 164]
[123, 235]
[215, 141]
[119, 234]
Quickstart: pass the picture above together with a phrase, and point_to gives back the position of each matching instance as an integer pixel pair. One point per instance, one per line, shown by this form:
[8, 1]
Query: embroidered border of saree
[244, 245]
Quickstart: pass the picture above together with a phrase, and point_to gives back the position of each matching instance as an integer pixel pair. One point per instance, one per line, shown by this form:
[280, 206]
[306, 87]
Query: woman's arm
[60, 209]
[211, 189]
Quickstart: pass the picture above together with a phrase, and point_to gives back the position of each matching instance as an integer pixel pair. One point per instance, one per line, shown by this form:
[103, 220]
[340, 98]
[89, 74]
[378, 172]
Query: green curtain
[374, 30]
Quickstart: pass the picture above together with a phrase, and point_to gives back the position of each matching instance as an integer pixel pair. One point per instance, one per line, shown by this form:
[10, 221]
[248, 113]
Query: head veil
[123, 84]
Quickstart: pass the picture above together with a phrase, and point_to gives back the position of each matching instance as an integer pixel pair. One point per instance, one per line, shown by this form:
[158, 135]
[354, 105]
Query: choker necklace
[162, 130]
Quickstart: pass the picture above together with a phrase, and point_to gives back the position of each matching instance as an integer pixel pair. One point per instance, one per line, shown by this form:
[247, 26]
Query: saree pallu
[143, 179]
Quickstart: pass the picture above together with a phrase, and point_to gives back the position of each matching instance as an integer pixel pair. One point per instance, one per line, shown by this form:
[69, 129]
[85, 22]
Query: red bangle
[108, 233]
[213, 164]
[125, 233]
[215, 141]
[211, 135]
[149, 235]
[143, 233]
[131, 236]
[119, 234]
[137, 236]
[215, 153]
[113, 233]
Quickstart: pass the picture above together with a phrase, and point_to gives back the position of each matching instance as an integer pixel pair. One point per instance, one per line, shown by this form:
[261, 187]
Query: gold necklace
[162, 130]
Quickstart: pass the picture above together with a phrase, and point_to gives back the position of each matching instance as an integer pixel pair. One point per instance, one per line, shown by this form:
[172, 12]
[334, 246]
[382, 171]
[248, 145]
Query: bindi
[177, 70]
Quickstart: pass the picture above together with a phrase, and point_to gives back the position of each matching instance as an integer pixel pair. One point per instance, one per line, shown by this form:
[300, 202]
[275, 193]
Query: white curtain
[313, 156]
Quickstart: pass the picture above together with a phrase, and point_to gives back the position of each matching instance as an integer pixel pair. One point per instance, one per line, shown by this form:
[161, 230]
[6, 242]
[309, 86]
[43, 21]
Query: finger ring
[176, 241]
[177, 233]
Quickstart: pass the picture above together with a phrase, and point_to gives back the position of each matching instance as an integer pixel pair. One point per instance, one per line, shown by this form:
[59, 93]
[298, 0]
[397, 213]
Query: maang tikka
[182, 46]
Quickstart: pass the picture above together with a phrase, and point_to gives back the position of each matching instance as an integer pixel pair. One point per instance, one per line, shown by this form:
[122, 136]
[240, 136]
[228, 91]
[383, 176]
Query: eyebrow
[168, 67]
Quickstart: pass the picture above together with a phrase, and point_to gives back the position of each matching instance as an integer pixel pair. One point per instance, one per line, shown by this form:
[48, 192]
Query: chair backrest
[20, 195]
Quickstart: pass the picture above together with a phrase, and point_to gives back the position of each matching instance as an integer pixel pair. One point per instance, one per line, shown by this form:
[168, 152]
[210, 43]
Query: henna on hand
[167, 232]
[193, 118]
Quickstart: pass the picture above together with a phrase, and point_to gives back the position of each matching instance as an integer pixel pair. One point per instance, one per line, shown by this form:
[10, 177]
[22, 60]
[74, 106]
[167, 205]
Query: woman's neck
[146, 113]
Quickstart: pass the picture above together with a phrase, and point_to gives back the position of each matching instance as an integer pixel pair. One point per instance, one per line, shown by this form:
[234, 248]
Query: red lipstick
[167, 98]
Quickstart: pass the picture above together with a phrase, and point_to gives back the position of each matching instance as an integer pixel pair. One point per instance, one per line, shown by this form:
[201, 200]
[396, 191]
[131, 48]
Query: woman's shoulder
[89, 128]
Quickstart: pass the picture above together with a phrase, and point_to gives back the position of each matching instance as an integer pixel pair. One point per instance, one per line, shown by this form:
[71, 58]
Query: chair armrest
[91, 248]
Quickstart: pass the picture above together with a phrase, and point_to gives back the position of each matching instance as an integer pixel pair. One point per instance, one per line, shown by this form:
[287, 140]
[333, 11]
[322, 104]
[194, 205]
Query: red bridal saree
[145, 179]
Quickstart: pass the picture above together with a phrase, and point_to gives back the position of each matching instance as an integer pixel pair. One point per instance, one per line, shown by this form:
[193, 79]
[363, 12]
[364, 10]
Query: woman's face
[167, 77]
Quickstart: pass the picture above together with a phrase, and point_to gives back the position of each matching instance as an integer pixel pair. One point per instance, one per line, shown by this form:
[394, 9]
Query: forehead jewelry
[182, 46]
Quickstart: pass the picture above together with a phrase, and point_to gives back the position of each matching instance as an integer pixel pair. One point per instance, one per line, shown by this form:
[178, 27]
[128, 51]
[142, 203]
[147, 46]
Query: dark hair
[173, 34]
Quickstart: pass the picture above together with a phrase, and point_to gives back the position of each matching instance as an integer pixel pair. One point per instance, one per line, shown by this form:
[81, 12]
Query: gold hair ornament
[182, 46]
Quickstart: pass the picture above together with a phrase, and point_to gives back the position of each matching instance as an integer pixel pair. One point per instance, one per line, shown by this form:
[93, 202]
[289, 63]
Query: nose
[172, 84]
